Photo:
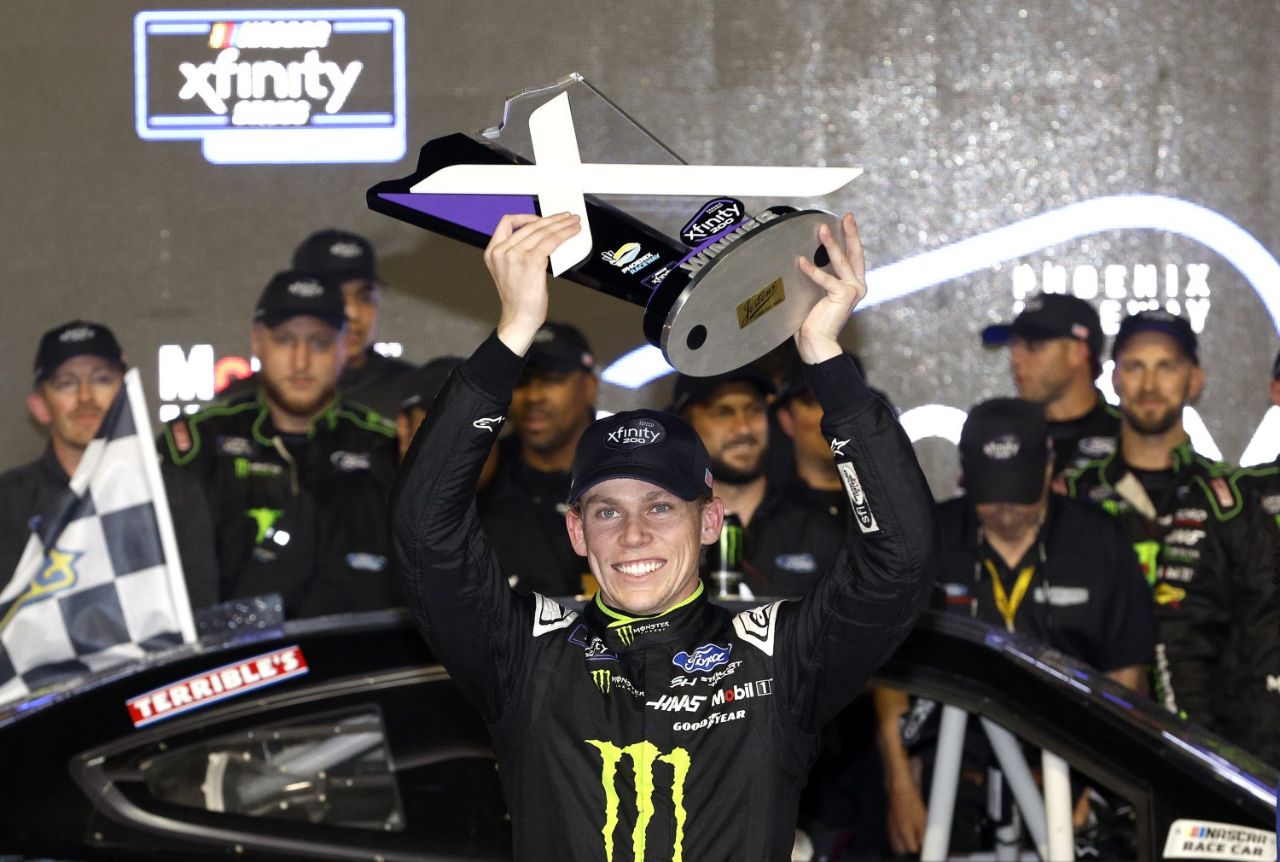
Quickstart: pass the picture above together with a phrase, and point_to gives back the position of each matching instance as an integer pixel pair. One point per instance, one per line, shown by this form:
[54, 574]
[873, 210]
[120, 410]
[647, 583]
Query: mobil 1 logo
[273, 86]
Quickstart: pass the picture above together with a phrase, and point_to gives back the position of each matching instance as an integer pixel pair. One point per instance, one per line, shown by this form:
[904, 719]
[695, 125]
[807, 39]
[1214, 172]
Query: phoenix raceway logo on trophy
[298, 85]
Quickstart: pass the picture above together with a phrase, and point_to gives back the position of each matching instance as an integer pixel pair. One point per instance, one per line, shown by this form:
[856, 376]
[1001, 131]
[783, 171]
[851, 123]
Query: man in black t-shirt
[522, 508]
[1055, 355]
[1027, 561]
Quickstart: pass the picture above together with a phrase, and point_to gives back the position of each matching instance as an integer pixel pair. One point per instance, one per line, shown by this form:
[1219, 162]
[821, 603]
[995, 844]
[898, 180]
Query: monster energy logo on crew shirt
[602, 679]
[643, 755]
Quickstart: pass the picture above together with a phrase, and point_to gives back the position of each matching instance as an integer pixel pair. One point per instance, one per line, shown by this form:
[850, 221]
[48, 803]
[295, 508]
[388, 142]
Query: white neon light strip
[362, 27]
[1265, 445]
[191, 120]
[178, 29]
[352, 119]
[1115, 212]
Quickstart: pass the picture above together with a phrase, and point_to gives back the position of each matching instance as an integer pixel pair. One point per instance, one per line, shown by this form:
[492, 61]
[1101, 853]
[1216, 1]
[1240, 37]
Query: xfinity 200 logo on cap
[273, 86]
[634, 434]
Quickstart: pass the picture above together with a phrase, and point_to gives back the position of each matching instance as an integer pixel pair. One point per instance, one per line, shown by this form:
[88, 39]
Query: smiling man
[1208, 557]
[298, 479]
[655, 725]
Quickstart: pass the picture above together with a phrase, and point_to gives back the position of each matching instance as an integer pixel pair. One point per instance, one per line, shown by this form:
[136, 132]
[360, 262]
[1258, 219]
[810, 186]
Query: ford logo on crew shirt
[706, 657]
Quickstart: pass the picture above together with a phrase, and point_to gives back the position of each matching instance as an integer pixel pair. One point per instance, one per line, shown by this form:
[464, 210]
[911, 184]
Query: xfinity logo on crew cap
[635, 433]
[347, 250]
[80, 333]
[1002, 448]
[306, 289]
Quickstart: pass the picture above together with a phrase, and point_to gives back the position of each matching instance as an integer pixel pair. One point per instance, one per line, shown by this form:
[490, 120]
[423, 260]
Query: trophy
[717, 280]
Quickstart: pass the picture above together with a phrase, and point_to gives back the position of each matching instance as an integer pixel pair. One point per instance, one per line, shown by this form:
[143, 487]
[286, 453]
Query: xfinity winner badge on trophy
[717, 278]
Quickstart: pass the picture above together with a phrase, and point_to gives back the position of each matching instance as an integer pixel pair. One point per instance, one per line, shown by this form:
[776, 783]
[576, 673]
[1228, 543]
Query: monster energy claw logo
[643, 756]
[602, 679]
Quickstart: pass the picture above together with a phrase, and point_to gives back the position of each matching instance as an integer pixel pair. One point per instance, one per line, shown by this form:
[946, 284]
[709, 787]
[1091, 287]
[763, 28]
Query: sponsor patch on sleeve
[758, 626]
[550, 616]
[216, 685]
[862, 513]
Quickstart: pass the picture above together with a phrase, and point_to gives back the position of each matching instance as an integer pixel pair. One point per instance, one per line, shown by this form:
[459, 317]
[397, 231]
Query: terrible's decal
[215, 685]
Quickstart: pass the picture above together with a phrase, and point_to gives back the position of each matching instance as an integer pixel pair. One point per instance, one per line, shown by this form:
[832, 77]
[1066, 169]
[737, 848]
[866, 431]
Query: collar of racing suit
[624, 631]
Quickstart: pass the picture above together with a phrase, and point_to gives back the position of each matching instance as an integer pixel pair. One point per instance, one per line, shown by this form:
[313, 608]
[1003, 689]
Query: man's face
[301, 359]
[362, 297]
[1155, 380]
[642, 542]
[734, 428]
[1009, 521]
[550, 409]
[1044, 368]
[801, 418]
[73, 400]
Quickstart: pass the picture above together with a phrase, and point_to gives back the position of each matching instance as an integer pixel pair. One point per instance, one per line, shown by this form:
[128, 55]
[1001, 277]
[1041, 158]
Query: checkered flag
[101, 582]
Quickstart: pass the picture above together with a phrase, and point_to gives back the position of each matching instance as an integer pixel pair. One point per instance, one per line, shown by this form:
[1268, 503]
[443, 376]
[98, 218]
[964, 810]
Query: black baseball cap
[294, 292]
[76, 338]
[339, 254]
[1004, 447]
[559, 347]
[1051, 315]
[1156, 320]
[650, 445]
[426, 382]
[698, 390]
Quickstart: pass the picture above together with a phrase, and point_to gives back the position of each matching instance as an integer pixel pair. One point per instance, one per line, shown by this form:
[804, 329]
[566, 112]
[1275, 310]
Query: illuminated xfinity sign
[272, 85]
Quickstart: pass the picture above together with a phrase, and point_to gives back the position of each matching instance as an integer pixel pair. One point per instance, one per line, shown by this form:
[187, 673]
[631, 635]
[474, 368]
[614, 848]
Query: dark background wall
[967, 116]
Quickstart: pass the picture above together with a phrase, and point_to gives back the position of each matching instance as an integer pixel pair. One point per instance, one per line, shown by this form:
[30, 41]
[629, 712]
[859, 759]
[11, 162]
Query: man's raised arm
[452, 581]
[856, 616]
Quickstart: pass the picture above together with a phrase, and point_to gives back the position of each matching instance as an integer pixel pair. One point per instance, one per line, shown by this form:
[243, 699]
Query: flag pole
[164, 518]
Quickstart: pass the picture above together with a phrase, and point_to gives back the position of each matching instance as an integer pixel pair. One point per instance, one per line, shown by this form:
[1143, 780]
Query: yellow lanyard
[1008, 605]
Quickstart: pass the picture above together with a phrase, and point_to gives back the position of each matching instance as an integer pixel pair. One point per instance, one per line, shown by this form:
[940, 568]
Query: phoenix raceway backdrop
[1126, 151]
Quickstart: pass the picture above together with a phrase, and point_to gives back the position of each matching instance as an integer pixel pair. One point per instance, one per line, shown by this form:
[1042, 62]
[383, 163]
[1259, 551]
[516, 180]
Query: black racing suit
[1260, 487]
[682, 736]
[1209, 560]
[302, 515]
[30, 493]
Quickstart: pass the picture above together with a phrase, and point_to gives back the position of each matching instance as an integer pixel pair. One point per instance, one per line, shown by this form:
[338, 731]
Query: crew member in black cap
[368, 378]
[1055, 355]
[653, 722]
[1025, 560]
[523, 507]
[730, 413]
[298, 478]
[1208, 557]
[79, 370]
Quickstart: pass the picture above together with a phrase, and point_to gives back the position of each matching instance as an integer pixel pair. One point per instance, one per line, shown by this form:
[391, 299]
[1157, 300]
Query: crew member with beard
[298, 479]
[522, 507]
[730, 413]
[1207, 556]
[79, 370]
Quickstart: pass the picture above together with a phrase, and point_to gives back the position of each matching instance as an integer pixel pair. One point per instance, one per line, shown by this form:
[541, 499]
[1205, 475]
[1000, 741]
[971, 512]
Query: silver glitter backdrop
[967, 116]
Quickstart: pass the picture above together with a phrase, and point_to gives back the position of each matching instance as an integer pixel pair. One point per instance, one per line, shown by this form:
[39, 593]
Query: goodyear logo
[302, 85]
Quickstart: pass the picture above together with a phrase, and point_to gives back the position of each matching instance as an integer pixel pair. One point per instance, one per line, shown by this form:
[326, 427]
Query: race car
[342, 738]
